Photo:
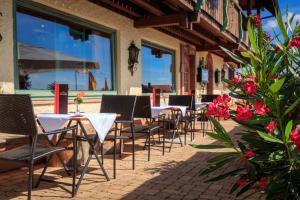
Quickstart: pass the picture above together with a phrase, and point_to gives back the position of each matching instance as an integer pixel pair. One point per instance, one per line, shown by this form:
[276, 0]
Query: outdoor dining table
[201, 105]
[158, 110]
[101, 122]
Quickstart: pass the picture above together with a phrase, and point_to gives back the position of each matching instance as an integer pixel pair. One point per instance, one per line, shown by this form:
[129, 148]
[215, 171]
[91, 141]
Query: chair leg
[149, 146]
[114, 158]
[164, 141]
[30, 180]
[43, 172]
[185, 132]
[120, 147]
[82, 174]
[177, 133]
[133, 151]
[173, 136]
[146, 142]
[75, 153]
[102, 153]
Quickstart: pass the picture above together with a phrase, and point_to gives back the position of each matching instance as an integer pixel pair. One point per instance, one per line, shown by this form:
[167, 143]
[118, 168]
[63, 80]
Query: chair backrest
[181, 100]
[123, 105]
[208, 97]
[16, 115]
[143, 107]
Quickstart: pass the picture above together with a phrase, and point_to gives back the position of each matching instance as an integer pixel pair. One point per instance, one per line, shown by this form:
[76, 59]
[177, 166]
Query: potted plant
[268, 105]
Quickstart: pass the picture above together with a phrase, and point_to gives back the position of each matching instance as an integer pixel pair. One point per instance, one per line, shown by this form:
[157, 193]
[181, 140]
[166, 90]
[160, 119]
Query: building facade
[84, 43]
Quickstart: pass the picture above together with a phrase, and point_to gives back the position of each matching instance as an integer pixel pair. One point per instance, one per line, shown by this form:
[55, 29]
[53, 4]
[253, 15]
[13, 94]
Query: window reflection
[52, 50]
[157, 69]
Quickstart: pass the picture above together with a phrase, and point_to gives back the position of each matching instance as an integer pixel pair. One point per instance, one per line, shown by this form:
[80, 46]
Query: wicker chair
[17, 117]
[124, 106]
[185, 120]
[143, 111]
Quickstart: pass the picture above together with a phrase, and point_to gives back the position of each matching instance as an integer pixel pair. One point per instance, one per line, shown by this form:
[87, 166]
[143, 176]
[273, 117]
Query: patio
[173, 176]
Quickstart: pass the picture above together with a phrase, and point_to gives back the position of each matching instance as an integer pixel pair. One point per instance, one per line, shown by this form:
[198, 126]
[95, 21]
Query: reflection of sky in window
[156, 71]
[56, 37]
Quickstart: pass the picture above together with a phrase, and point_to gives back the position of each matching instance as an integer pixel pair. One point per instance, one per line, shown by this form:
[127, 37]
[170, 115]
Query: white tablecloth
[201, 105]
[101, 122]
[157, 110]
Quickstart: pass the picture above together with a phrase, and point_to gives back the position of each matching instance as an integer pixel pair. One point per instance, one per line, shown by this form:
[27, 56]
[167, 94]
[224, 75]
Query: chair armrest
[71, 128]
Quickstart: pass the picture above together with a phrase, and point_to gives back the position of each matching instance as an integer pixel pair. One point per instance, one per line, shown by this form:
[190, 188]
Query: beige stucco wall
[125, 33]
[218, 63]
[6, 47]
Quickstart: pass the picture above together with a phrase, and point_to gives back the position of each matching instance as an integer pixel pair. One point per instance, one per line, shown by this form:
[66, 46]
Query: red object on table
[156, 97]
[61, 98]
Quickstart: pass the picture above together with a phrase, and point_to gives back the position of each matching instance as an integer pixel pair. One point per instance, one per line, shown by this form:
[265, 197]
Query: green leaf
[275, 87]
[269, 137]
[234, 188]
[209, 146]
[216, 166]
[288, 129]
[245, 188]
[252, 38]
[281, 25]
[222, 157]
[291, 107]
[222, 176]
[234, 57]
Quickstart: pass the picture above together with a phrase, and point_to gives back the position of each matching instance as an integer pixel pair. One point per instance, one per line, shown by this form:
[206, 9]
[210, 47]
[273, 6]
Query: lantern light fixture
[133, 57]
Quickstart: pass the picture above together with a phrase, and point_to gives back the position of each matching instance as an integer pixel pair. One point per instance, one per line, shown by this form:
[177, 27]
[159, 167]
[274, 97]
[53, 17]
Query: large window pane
[52, 50]
[157, 69]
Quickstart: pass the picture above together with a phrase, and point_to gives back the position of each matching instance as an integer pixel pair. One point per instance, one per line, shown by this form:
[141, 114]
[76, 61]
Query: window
[157, 68]
[54, 50]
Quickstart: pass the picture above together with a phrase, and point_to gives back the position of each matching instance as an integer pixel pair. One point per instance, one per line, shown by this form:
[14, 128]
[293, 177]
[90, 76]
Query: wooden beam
[161, 21]
[181, 4]
[231, 47]
[149, 7]
[182, 35]
[120, 6]
[209, 48]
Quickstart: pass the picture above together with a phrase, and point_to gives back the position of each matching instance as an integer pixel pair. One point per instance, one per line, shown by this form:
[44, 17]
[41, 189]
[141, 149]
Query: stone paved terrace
[173, 176]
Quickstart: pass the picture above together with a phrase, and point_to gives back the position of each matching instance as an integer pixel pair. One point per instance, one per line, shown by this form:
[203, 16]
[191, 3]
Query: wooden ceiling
[270, 5]
[176, 18]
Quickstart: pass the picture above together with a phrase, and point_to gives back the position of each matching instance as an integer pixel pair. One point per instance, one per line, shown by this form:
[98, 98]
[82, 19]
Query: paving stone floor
[173, 176]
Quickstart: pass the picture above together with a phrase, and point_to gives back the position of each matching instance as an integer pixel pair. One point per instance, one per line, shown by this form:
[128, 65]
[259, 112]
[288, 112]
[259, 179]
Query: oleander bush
[267, 96]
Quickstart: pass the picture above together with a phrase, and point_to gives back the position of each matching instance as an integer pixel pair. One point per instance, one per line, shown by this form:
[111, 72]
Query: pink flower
[262, 183]
[257, 21]
[271, 126]
[243, 113]
[251, 77]
[241, 182]
[219, 107]
[236, 80]
[249, 87]
[249, 154]
[295, 42]
[295, 137]
[277, 49]
[267, 36]
[260, 108]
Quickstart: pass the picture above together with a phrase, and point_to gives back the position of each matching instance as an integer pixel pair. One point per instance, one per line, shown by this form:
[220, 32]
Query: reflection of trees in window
[51, 50]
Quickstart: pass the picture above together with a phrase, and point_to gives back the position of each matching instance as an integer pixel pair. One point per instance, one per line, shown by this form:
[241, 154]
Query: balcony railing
[214, 9]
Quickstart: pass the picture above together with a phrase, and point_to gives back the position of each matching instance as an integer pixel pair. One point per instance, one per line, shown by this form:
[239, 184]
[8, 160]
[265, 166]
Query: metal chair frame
[115, 104]
[18, 109]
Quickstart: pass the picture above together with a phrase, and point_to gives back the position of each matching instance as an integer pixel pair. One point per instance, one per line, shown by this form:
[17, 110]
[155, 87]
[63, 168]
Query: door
[210, 66]
[187, 69]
